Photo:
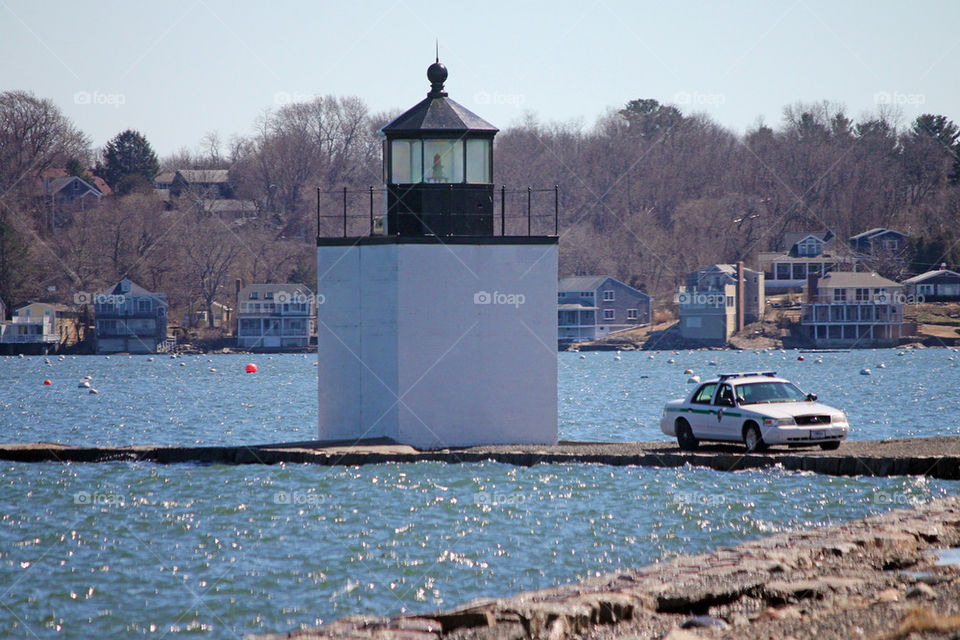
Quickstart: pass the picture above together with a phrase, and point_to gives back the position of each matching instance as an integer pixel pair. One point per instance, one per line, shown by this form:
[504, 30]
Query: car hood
[791, 409]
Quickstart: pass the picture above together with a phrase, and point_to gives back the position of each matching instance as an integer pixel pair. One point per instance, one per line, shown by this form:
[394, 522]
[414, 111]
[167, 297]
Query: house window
[254, 295]
[783, 271]
[863, 295]
[729, 301]
[559, 296]
[268, 295]
[799, 271]
[608, 295]
[632, 314]
[839, 295]
[143, 306]
[608, 314]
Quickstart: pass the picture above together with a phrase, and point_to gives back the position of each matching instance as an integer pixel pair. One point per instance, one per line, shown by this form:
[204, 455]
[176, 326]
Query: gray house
[130, 319]
[592, 307]
[941, 285]
[719, 300]
[879, 241]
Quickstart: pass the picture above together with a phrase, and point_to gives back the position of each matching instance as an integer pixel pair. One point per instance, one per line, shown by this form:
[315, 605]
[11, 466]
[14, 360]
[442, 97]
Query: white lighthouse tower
[440, 331]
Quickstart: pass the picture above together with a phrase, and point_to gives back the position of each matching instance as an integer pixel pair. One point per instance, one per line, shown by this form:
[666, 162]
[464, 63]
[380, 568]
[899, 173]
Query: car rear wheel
[753, 439]
[685, 436]
[830, 446]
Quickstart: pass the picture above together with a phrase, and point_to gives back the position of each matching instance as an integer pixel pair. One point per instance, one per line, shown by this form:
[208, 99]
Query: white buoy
[865, 372]
[881, 366]
[670, 361]
[183, 364]
[583, 357]
[693, 380]
[88, 377]
[150, 359]
[650, 357]
[93, 391]
[84, 384]
[213, 369]
[688, 371]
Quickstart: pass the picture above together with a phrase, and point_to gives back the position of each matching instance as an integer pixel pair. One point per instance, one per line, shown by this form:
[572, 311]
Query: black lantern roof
[437, 113]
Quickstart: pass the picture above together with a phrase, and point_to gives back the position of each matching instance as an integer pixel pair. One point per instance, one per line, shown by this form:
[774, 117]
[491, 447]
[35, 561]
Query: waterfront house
[47, 325]
[879, 241]
[275, 316]
[592, 307]
[852, 309]
[197, 316]
[130, 319]
[940, 285]
[719, 300]
[805, 253]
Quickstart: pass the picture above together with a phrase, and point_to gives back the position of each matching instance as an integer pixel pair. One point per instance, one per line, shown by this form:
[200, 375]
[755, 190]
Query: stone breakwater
[934, 457]
[871, 578]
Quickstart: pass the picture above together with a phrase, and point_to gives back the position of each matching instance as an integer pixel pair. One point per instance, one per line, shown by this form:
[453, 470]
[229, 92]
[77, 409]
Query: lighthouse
[438, 329]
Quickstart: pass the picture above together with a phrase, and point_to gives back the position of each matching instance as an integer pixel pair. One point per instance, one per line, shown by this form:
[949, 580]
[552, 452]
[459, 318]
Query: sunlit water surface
[139, 549]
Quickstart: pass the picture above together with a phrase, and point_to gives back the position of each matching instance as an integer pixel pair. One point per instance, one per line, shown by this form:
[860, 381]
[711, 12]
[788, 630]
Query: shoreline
[936, 457]
[869, 578]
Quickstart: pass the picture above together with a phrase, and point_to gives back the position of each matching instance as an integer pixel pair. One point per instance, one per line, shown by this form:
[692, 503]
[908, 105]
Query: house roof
[59, 172]
[791, 238]
[843, 279]
[227, 205]
[53, 305]
[929, 274]
[204, 176]
[56, 185]
[128, 287]
[872, 232]
[581, 283]
[165, 177]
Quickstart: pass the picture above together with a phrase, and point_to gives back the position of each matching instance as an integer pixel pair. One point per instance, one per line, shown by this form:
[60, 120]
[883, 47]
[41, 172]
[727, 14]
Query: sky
[181, 69]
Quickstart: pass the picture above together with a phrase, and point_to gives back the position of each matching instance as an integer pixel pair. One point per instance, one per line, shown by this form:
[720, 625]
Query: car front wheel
[753, 439]
[685, 436]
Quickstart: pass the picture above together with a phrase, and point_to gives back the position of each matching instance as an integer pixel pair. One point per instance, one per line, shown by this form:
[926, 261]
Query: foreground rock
[873, 578]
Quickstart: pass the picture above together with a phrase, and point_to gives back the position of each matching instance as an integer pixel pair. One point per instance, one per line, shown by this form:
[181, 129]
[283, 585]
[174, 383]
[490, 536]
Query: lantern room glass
[406, 162]
[478, 161]
[443, 161]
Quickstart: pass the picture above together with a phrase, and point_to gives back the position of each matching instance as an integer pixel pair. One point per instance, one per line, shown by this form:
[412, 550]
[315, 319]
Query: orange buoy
[251, 368]
[47, 383]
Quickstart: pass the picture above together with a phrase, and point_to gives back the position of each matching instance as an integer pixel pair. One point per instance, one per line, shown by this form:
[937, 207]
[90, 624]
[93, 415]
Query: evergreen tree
[128, 162]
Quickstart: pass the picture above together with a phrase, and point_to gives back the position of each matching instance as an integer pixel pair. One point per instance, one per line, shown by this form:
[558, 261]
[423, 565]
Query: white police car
[756, 408]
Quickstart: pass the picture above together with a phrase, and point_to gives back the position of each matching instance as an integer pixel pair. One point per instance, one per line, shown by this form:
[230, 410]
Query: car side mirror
[811, 397]
[740, 400]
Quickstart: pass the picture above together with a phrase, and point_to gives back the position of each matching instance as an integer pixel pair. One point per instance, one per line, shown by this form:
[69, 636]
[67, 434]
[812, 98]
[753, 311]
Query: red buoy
[251, 368]
[47, 383]
[799, 357]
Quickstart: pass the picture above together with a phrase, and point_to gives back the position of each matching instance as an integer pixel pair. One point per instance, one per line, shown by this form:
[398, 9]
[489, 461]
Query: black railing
[362, 212]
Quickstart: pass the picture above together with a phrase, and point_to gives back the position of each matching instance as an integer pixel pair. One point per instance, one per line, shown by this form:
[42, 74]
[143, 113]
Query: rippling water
[137, 549]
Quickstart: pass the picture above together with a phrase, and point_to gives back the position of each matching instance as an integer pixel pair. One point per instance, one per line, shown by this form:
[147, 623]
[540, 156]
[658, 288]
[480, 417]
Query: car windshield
[765, 392]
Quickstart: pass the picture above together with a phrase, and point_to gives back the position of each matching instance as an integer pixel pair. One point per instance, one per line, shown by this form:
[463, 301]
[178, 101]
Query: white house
[806, 254]
[275, 316]
[853, 309]
[940, 285]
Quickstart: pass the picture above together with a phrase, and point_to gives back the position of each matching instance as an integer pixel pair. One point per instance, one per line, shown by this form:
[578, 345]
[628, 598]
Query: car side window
[705, 393]
[725, 397]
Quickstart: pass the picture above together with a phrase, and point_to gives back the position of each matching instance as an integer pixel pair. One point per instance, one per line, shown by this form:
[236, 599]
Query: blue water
[138, 549]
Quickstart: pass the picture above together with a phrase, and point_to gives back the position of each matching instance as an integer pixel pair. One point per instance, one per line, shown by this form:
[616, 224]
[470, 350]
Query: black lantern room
[438, 166]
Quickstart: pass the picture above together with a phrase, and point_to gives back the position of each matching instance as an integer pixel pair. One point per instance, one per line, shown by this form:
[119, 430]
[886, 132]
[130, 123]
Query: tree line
[648, 193]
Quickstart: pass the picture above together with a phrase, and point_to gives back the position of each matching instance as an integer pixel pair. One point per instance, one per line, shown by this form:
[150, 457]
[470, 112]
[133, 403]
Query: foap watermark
[895, 97]
[286, 97]
[100, 98]
[702, 499]
[81, 298]
[298, 498]
[98, 498]
[499, 97]
[499, 298]
[701, 299]
[699, 99]
[297, 297]
[898, 297]
[494, 499]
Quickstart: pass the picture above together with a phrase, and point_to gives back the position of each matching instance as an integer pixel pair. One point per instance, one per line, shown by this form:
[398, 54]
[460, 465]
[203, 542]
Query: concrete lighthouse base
[438, 342]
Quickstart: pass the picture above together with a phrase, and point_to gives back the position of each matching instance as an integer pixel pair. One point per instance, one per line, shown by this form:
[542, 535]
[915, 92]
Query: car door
[701, 414]
[728, 418]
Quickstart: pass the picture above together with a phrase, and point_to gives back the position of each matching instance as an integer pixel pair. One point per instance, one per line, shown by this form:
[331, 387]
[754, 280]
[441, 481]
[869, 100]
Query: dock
[937, 457]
